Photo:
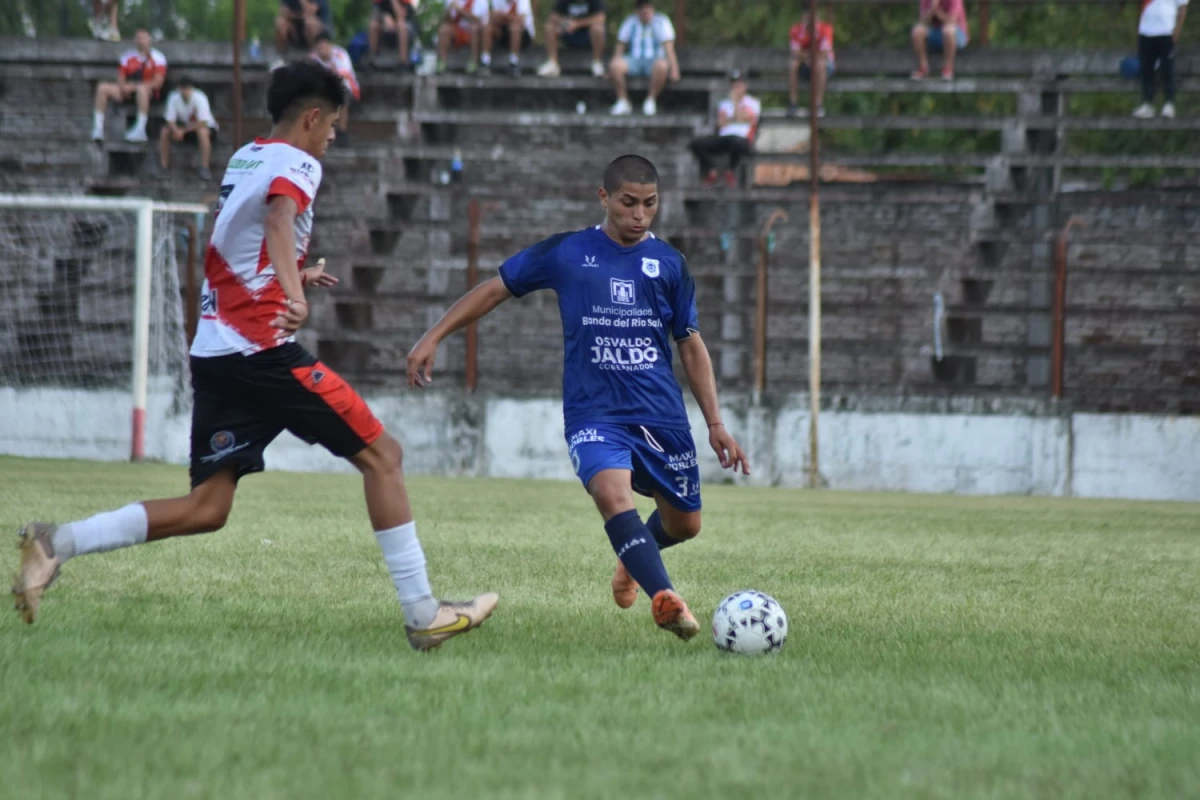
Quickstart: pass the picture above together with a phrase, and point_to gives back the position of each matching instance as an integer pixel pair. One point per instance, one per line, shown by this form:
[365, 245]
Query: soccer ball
[750, 623]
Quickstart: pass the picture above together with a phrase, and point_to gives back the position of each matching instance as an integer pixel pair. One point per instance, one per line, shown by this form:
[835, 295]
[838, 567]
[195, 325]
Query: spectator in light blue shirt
[650, 39]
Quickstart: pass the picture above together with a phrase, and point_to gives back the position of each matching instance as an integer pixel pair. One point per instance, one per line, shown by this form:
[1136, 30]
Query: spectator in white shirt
[737, 123]
[650, 39]
[189, 118]
[1158, 31]
[510, 22]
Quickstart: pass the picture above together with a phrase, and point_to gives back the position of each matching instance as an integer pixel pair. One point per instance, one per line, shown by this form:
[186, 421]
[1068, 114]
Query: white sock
[406, 562]
[513, 58]
[109, 530]
[98, 120]
[485, 59]
[141, 122]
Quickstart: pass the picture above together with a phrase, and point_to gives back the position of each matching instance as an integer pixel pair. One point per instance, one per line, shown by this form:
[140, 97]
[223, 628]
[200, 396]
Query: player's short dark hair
[629, 169]
[300, 85]
[323, 36]
[643, 3]
[184, 82]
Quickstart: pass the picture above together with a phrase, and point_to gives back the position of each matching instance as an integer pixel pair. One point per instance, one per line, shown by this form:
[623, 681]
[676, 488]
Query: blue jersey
[620, 306]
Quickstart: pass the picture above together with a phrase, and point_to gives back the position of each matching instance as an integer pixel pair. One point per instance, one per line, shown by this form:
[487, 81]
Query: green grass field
[940, 647]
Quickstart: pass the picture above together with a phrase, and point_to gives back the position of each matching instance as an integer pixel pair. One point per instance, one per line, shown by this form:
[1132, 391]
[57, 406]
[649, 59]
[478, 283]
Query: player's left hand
[728, 450]
[317, 276]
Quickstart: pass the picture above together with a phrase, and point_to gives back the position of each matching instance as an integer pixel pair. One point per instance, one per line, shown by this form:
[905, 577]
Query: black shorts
[241, 403]
[385, 9]
[190, 137]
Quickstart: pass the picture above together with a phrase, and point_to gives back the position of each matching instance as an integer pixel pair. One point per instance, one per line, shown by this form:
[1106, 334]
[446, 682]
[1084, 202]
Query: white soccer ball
[750, 623]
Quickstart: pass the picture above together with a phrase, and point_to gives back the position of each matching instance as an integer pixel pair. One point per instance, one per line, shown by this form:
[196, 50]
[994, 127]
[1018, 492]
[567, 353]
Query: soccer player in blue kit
[623, 295]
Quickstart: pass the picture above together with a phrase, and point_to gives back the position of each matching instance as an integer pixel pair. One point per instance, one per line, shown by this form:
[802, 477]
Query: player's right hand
[420, 363]
[290, 319]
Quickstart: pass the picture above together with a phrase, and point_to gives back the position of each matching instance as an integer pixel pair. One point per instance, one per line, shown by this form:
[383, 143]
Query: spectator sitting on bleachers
[650, 38]
[737, 122]
[1158, 31]
[580, 24]
[188, 118]
[103, 22]
[391, 17]
[510, 23]
[942, 28]
[335, 59]
[800, 67]
[461, 27]
[298, 23]
[140, 73]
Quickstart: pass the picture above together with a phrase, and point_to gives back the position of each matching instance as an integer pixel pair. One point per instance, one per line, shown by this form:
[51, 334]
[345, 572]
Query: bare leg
[618, 70]
[553, 32]
[203, 510]
[143, 99]
[597, 33]
[919, 33]
[383, 483]
[402, 40]
[373, 36]
[515, 31]
[949, 48]
[282, 29]
[204, 137]
[658, 77]
[164, 148]
[445, 33]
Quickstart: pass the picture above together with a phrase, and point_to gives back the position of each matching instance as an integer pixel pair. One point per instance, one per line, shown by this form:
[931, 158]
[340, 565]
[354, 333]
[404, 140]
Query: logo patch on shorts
[221, 442]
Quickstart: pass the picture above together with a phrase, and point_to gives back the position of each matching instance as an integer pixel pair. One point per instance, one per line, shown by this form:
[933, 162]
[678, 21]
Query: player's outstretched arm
[698, 365]
[470, 307]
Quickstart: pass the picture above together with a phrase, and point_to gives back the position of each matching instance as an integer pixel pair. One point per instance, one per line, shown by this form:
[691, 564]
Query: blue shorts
[662, 460]
[641, 67]
[935, 41]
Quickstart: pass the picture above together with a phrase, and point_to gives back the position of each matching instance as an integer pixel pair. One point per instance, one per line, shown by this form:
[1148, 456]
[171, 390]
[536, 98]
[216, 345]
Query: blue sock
[664, 539]
[631, 542]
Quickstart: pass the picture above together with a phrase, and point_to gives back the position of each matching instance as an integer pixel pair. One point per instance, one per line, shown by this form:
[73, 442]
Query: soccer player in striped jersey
[251, 380]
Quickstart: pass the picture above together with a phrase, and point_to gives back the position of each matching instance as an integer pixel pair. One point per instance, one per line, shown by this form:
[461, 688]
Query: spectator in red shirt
[942, 28]
[800, 66]
[141, 73]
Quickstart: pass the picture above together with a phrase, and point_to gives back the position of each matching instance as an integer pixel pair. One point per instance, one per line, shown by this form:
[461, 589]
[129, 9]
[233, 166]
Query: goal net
[93, 326]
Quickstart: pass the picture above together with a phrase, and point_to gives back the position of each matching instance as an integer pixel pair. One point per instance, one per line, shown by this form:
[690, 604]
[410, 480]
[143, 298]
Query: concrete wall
[970, 447]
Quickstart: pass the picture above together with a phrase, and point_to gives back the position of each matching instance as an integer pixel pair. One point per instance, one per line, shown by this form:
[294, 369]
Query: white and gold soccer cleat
[39, 567]
[451, 620]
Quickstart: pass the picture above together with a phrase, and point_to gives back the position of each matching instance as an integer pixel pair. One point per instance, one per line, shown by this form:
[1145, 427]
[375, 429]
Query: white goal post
[78, 275]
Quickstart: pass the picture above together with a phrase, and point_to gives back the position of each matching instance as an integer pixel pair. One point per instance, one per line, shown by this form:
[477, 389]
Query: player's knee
[686, 528]
[611, 497]
[209, 513]
[384, 455]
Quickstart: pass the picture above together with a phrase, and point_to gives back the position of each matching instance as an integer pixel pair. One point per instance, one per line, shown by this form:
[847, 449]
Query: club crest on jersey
[622, 292]
[589, 261]
[221, 442]
[650, 267]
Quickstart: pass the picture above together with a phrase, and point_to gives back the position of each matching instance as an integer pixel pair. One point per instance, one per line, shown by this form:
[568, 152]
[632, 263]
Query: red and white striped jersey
[137, 68]
[241, 294]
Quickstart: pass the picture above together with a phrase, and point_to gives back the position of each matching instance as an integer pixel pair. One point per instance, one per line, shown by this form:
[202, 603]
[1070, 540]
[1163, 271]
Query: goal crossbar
[144, 208]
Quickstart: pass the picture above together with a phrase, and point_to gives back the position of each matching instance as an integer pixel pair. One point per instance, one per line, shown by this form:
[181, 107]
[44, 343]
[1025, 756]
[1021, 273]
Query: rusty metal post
[680, 22]
[985, 15]
[760, 320]
[1058, 344]
[814, 261]
[474, 218]
[193, 299]
[239, 33]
